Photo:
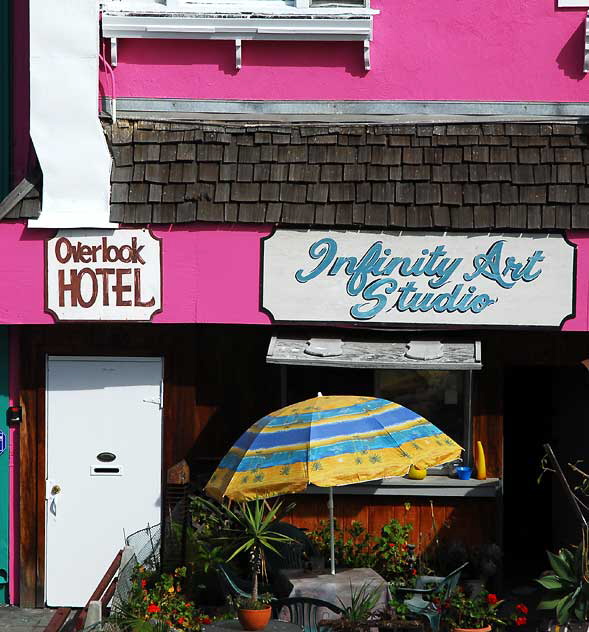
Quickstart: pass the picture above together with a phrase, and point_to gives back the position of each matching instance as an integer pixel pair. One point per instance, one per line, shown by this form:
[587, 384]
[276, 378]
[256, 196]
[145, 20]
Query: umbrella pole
[331, 529]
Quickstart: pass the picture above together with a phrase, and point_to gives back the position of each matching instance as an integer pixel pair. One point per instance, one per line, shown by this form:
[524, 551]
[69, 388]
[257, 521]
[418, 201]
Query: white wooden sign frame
[103, 275]
[406, 278]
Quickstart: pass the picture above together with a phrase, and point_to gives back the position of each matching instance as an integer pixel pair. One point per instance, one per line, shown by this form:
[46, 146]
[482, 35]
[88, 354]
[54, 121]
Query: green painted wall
[4, 500]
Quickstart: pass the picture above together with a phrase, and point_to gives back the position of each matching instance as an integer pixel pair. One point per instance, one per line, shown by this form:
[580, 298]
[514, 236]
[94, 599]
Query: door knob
[55, 490]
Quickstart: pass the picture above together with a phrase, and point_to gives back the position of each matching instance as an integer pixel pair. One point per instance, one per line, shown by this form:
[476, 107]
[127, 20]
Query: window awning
[358, 353]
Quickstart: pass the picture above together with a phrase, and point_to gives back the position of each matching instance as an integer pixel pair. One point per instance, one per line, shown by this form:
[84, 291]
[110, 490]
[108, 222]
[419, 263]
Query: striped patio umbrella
[328, 441]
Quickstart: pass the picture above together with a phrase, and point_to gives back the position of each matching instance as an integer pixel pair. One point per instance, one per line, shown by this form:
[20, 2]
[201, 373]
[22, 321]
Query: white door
[104, 455]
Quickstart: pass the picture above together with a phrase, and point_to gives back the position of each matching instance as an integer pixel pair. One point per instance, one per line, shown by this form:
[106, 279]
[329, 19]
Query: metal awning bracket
[113, 52]
[238, 54]
[366, 54]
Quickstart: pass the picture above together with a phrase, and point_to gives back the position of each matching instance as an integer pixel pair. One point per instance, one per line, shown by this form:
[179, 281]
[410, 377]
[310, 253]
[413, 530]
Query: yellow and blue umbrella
[328, 441]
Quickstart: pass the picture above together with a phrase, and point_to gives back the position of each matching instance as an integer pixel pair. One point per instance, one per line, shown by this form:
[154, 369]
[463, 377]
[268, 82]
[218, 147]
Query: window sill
[430, 486]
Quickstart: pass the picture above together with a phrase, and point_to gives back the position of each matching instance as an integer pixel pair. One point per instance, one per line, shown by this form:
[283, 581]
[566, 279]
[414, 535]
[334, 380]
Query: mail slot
[102, 470]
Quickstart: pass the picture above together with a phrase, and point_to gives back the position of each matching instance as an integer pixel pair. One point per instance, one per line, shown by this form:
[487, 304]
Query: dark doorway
[542, 405]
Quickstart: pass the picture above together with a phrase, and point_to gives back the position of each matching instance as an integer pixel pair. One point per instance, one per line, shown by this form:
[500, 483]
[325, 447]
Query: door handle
[52, 490]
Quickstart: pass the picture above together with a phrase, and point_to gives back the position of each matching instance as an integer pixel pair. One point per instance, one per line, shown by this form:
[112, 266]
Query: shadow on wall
[570, 58]
[347, 55]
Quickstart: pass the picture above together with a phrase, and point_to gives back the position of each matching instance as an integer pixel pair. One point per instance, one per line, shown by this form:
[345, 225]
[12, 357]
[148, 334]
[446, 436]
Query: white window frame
[234, 6]
[564, 4]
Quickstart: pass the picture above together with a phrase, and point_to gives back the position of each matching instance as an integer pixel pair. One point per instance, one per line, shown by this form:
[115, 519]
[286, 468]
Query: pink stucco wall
[445, 50]
[211, 274]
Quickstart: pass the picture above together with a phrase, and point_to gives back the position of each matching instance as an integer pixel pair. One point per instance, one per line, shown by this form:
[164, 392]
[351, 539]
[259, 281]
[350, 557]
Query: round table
[233, 625]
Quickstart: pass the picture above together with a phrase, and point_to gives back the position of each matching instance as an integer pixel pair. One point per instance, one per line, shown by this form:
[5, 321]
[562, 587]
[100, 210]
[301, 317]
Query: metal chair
[442, 586]
[304, 611]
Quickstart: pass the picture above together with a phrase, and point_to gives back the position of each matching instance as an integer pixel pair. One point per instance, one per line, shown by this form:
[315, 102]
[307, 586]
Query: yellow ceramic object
[480, 462]
[416, 474]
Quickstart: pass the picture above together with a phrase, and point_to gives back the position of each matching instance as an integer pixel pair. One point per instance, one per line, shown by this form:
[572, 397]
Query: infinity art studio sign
[449, 279]
[103, 276]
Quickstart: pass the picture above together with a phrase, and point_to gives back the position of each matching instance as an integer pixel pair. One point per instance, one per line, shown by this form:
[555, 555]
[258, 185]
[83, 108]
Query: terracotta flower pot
[253, 620]
[485, 629]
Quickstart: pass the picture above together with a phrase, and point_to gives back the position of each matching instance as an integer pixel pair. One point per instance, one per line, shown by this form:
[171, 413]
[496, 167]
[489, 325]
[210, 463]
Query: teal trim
[5, 90]
[4, 470]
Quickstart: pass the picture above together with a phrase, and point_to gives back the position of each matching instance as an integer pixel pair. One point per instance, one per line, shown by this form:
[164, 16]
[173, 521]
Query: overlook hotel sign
[97, 275]
[425, 278]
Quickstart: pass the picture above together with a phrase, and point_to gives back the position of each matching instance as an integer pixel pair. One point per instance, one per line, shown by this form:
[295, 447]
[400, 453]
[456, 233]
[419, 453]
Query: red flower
[181, 620]
[391, 545]
[491, 599]
[207, 620]
[522, 608]
[413, 571]
[521, 621]
[153, 608]
[143, 583]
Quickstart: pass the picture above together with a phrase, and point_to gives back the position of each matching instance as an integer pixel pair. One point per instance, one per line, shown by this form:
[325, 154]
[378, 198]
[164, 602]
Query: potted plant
[467, 614]
[252, 533]
[566, 587]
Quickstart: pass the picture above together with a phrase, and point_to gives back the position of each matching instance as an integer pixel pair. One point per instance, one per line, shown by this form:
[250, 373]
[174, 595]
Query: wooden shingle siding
[459, 176]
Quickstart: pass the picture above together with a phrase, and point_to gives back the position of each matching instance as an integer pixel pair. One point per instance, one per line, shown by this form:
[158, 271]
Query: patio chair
[442, 586]
[289, 554]
[305, 612]
[234, 586]
[231, 585]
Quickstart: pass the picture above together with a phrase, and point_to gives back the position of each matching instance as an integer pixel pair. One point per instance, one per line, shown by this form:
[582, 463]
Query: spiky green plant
[567, 588]
[363, 601]
[251, 531]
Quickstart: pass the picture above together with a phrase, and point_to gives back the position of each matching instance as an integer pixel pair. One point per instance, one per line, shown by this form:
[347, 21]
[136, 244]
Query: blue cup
[463, 472]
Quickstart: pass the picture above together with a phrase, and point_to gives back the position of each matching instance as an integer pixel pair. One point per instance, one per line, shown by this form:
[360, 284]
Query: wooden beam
[20, 191]
[58, 619]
